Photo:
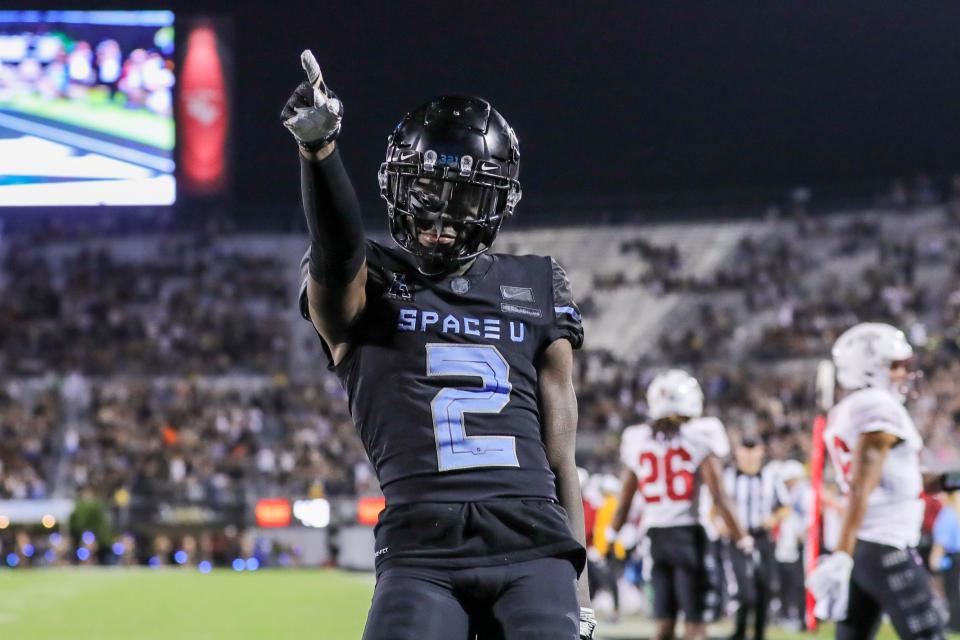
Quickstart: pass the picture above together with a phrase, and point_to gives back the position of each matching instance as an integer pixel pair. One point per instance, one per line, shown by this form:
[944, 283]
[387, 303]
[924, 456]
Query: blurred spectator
[945, 555]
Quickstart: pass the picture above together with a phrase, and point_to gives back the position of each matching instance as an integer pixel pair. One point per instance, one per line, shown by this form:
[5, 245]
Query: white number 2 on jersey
[455, 449]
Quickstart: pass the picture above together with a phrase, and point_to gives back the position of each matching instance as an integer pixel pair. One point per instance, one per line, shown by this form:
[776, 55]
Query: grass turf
[145, 604]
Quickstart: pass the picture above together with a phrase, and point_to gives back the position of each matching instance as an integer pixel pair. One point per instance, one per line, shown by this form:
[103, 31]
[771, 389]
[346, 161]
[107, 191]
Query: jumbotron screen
[86, 108]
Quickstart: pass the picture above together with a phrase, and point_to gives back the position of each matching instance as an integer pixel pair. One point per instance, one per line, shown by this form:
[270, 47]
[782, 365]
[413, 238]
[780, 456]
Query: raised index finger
[311, 68]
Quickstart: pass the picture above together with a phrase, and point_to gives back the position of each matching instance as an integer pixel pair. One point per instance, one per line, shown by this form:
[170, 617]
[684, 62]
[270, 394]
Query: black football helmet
[450, 174]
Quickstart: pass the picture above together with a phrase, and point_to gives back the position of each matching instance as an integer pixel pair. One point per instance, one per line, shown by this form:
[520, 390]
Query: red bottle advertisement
[203, 115]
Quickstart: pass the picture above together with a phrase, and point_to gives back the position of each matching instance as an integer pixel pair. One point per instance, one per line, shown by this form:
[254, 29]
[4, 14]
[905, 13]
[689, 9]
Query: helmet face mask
[905, 377]
[449, 180]
[458, 202]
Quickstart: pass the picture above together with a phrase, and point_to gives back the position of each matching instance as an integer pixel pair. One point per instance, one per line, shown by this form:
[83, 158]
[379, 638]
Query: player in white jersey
[875, 449]
[668, 462]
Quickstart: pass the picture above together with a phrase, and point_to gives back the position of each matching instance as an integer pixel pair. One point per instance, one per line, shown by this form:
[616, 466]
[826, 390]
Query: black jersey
[441, 379]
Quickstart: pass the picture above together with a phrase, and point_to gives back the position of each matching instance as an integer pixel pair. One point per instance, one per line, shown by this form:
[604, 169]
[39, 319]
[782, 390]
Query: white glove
[746, 544]
[629, 536]
[829, 583]
[611, 535]
[313, 113]
[588, 623]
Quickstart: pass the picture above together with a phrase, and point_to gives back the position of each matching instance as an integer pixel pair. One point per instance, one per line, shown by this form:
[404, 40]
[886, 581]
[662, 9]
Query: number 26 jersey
[666, 467]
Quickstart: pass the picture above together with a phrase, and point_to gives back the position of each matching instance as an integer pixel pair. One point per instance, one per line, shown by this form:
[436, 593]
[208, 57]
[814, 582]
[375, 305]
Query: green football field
[134, 604]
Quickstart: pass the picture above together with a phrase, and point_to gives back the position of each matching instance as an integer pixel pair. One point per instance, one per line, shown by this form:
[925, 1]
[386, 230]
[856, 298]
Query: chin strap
[434, 266]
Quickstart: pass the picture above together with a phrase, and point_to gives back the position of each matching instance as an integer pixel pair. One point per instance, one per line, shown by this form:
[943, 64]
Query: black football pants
[892, 581]
[753, 572]
[532, 600]
[680, 576]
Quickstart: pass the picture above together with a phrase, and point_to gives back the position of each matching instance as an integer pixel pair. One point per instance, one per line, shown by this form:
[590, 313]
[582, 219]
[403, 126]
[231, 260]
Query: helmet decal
[429, 160]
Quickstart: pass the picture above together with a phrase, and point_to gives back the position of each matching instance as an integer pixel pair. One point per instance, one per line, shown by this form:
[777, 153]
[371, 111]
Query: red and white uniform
[666, 468]
[894, 509]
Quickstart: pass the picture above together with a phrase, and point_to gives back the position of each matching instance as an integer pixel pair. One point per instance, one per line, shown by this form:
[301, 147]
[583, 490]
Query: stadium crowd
[138, 378]
[129, 348]
[181, 440]
[191, 308]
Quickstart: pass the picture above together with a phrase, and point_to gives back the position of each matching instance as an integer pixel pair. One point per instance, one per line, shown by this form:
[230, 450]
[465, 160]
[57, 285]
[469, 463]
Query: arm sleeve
[304, 274]
[333, 218]
[304, 305]
[377, 276]
[567, 322]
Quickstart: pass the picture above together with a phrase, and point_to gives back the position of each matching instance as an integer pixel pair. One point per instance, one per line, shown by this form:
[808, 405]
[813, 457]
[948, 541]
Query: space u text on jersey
[491, 328]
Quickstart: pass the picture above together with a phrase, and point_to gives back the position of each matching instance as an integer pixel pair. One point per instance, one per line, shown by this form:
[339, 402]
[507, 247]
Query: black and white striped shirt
[755, 497]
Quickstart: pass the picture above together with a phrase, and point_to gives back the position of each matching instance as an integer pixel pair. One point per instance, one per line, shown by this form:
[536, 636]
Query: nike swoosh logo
[521, 294]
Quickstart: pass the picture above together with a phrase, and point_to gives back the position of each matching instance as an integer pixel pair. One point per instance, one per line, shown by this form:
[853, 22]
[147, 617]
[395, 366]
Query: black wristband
[313, 147]
[333, 218]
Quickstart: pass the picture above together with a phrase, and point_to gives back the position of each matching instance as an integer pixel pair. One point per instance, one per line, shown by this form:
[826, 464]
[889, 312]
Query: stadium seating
[178, 365]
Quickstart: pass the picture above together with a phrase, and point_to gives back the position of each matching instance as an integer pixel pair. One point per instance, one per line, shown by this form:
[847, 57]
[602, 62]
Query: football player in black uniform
[458, 367]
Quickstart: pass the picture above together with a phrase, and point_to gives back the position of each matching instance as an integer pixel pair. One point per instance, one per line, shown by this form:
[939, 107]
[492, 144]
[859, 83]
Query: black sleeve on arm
[333, 217]
[567, 322]
[302, 300]
[304, 305]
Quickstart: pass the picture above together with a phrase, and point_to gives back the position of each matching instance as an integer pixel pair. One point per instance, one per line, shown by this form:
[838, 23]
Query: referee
[760, 500]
